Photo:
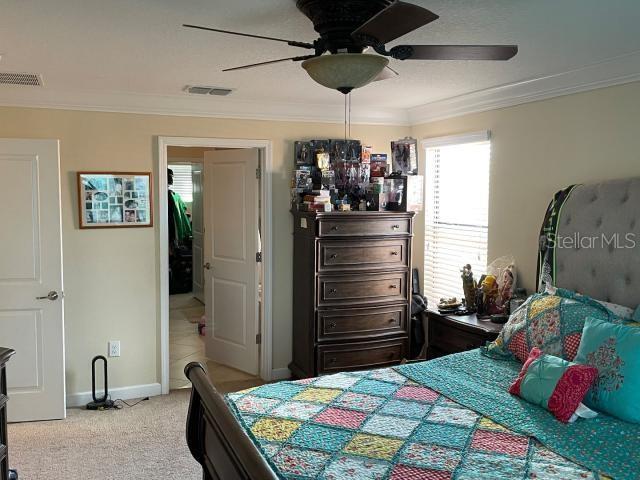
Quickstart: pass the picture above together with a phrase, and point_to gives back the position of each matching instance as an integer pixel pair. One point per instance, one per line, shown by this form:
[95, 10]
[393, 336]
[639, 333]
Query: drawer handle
[334, 228]
[333, 290]
[334, 255]
[393, 286]
[392, 320]
[395, 227]
[391, 355]
[331, 325]
[333, 360]
[394, 253]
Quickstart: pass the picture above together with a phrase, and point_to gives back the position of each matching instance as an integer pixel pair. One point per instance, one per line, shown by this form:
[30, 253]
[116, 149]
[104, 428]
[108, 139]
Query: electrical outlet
[114, 348]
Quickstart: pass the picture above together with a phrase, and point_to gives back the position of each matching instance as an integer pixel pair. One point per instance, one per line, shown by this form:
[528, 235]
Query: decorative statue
[469, 287]
[490, 292]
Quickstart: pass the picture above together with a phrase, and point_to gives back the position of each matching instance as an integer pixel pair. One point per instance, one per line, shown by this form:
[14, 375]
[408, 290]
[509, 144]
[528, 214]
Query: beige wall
[111, 276]
[539, 148]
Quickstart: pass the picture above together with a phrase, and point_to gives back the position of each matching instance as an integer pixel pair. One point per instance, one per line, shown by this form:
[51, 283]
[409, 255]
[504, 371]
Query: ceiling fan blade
[393, 22]
[294, 59]
[454, 52]
[386, 74]
[293, 43]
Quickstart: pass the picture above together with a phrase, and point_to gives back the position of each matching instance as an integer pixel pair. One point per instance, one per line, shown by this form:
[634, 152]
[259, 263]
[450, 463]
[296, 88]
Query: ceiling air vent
[30, 79]
[221, 92]
[201, 90]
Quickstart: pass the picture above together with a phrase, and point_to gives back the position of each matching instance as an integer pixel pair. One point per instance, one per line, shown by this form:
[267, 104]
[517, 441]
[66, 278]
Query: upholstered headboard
[590, 241]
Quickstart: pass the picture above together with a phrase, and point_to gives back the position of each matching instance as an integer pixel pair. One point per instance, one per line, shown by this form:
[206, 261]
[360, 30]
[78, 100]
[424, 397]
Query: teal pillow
[615, 351]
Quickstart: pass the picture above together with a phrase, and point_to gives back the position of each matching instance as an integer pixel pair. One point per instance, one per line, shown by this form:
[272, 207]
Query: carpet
[145, 442]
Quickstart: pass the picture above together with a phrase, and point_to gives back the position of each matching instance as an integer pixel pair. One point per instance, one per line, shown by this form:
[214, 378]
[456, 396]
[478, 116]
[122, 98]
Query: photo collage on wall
[115, 199]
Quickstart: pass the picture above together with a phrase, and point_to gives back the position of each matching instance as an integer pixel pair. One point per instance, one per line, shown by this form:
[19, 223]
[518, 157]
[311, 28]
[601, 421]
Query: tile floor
[185, 345]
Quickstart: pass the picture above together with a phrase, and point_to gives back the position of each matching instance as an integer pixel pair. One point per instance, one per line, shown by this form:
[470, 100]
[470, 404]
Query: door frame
[266, 155]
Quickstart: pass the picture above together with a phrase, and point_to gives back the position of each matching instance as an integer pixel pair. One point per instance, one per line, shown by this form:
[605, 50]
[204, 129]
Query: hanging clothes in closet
[180, 243]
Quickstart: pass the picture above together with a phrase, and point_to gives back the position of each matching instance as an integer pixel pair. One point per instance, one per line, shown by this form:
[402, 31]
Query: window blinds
[182, 182]
[456, 212]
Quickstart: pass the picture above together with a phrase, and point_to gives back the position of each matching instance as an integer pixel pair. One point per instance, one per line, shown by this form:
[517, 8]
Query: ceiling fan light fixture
[345, 71]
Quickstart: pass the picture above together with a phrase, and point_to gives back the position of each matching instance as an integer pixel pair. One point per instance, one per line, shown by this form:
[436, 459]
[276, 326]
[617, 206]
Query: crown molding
[614, 71]
[186, 105]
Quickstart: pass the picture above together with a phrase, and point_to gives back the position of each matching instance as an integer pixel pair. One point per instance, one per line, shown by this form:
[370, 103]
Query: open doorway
[214, 282]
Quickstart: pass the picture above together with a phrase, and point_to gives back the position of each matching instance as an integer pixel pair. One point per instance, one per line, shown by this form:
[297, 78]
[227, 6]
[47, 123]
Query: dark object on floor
[216, 439]
[417, 335]
[448, 334]
[418, 306]
[5, 355]
[181, 270]
[104, 402]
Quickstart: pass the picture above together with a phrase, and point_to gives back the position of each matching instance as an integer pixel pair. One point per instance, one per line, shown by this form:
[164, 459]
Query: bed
[447, 418]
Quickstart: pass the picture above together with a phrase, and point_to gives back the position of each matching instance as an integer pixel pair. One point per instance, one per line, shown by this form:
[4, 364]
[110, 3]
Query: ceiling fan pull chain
[349, 114]
[345, 117]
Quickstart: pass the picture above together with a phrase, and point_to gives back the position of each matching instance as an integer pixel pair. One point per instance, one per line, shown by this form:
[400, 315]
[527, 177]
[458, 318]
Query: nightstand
[448, 334]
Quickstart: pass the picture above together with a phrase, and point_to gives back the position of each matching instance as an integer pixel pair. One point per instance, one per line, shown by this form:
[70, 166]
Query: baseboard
[123, 393]
[280, 374]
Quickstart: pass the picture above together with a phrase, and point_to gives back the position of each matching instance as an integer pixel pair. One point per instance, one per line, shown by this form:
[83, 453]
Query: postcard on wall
[115, 199]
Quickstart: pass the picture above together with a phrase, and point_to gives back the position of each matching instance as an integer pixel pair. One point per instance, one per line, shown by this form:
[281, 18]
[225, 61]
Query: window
[456, 212]
[182, 182]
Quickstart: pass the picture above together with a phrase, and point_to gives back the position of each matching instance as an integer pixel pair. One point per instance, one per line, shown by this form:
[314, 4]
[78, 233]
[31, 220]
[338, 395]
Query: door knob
[207, 266]
[52, 295]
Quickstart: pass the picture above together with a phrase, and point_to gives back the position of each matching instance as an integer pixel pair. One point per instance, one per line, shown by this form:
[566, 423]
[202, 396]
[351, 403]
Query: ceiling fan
[348, 28]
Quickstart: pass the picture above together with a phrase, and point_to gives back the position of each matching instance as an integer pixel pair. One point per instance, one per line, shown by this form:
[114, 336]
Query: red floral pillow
[553, 383]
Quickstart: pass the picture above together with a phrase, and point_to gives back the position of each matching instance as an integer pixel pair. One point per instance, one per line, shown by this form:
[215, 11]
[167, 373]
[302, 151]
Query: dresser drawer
[361, 323]
[363, 289]
[363, 255]
[357, 356]
[349, 227]
[449, 339]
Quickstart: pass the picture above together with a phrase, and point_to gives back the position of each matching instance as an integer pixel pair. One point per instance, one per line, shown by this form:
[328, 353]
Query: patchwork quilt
[380, 424]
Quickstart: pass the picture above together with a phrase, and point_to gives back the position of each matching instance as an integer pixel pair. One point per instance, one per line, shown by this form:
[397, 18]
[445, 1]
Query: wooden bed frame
[216, 439]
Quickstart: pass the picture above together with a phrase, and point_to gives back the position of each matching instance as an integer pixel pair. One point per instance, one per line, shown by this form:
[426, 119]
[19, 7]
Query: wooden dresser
[5, 354]
[351, 290]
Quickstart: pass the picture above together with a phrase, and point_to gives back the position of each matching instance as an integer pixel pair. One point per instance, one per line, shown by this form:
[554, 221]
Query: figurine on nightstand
[469, 287]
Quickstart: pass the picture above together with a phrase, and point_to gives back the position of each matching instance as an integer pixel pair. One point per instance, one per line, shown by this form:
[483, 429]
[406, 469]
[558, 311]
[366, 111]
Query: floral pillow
[551, 322]
[554, 384]
[615, 351]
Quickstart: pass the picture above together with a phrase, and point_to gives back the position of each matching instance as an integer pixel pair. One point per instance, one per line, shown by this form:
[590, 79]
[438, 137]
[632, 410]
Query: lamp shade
[345, 71]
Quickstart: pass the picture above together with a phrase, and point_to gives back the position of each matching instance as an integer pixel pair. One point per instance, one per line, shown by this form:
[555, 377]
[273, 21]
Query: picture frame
[404, 156]
[115, 199]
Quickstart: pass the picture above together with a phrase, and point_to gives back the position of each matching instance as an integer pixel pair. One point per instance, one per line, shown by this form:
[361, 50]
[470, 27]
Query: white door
[231, 243]
[31, 318]
[197, 232]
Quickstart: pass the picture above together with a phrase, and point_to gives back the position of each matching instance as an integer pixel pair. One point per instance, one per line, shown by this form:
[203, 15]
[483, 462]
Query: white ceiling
[123, 50]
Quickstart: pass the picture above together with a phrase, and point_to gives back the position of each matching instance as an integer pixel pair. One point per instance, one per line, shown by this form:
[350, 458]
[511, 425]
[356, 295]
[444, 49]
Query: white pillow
[619, 310]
